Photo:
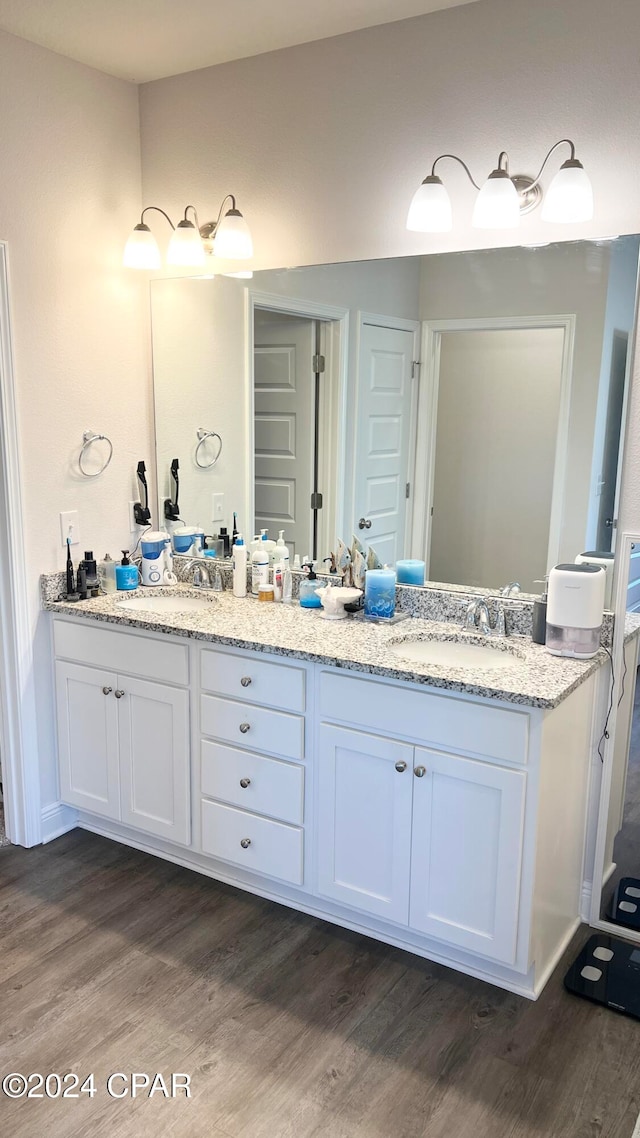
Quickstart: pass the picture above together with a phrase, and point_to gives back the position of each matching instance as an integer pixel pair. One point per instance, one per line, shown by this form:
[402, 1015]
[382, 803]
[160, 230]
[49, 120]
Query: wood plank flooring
[112, 960]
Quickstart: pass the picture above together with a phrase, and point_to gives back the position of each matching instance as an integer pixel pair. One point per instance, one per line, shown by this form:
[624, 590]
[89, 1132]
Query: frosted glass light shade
[430, 209]
[141, 250]
[570, 196]
[185, 247]
[497, 204]
[232, 238]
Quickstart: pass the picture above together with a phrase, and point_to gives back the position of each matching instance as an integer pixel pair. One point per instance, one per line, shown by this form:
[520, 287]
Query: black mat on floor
[625, 903]
[607, 971]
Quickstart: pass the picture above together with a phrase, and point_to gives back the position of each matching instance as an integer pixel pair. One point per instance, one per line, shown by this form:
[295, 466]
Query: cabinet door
[467, 832]
[87, 715]
[153, 729]
[364, 820]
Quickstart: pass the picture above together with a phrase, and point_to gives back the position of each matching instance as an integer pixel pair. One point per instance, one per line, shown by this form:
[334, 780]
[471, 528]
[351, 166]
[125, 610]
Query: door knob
[245, 681]
[244, 727]
[419, 772]
[118, 693]
[245, 843]
[107, 691]
[245, 782]
[400, 767]
[364, 523]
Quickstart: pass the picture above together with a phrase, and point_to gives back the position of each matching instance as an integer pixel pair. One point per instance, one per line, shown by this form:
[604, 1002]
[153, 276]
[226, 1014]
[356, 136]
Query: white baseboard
[57, 819]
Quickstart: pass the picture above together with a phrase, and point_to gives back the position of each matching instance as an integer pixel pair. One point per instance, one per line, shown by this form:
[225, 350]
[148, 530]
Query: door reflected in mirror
[465, 409]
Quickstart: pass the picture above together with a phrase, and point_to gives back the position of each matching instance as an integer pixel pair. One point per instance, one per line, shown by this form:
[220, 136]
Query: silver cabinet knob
[244, 727]
[245, 681]
[419, 772]
[400, 767]
[107, 691]
[245, 782]
[118, 693]
[245, 843]
[364, 523]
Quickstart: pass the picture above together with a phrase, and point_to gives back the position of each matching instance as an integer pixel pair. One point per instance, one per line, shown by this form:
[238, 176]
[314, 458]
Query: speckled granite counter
[536, 678]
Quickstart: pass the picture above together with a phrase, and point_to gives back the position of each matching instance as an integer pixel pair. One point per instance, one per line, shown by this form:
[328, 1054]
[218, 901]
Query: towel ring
[203, 437]
[88, 438]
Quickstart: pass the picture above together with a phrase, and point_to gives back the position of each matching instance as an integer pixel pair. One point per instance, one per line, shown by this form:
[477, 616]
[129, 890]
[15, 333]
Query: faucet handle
[510, 590]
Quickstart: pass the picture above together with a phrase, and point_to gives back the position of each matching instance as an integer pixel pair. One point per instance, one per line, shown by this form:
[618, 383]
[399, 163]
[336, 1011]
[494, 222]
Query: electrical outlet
[133, 525]
[69, 527]
[218, 507]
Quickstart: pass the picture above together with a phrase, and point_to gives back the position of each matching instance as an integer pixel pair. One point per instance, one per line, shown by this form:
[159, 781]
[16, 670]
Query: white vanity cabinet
[252, 750]
[423, 838]
[123, 740]
[446, 824]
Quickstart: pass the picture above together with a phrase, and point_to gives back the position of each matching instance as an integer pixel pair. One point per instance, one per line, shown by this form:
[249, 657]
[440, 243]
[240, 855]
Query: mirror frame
[596, 921]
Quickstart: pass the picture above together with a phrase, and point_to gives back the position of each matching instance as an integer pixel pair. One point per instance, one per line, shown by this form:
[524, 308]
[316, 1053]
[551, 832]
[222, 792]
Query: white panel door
[364, 820]
[284, 434]
[88, 738]
[383, 437]
[467, 833]
[154, 758]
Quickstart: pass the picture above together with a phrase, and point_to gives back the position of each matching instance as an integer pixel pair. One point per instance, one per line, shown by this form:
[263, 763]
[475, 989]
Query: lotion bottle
[259, 569]
[239, 567]
[282, 553]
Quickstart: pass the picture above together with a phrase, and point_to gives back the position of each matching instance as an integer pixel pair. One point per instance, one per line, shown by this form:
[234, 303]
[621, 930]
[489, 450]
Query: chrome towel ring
[88, 438]
[203, 437]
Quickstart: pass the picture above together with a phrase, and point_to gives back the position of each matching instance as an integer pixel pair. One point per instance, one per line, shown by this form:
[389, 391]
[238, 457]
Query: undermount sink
[167, 604]
[472, 655]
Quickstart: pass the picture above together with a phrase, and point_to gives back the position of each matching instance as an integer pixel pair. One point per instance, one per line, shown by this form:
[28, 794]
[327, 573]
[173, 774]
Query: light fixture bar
[228, 237]
[504, 197]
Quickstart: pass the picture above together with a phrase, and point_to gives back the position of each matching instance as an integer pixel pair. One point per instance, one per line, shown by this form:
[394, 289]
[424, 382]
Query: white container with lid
[575, 607]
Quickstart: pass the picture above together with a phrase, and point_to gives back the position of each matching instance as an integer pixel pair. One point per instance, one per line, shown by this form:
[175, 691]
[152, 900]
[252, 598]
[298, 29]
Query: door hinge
[407, 490]
[415, 367]
[316, 501]
[318, 363]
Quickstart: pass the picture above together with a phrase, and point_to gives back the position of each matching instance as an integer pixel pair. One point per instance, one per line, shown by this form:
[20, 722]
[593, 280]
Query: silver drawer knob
[400, 767]
[244, 727]
[245, 782]
[107, 691]
[118, 693]
[419, 772]
[245, 843]
[245, 681]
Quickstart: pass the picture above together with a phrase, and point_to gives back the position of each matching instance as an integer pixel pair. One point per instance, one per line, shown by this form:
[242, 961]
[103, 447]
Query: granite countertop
[536, 679]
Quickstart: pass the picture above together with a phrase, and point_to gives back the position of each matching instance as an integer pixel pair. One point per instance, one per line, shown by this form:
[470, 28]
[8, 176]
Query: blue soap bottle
[309, 598]
[126, 573]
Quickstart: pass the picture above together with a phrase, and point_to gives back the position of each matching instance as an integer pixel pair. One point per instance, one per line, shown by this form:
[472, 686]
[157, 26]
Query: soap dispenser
[539, 621]
[309, 598]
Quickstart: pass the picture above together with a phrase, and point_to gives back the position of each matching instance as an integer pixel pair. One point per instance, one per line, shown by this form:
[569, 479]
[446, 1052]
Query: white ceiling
[150, 39]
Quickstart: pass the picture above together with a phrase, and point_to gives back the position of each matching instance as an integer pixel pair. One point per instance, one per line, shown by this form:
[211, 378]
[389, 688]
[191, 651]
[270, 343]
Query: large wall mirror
[464, 408]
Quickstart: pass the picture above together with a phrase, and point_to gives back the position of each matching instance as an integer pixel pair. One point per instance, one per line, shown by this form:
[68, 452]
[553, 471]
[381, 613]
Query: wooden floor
[111, 960]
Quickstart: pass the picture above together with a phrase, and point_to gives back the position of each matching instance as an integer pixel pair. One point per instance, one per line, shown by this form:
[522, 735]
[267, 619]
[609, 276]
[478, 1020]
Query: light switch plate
[69, 525]
[218, 507]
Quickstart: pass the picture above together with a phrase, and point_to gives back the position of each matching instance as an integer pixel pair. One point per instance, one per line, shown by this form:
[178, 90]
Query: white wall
[325, 143]
[69, 193]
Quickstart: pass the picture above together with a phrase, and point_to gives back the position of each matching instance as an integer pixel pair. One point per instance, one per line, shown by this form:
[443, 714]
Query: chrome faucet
[201, 575]
[477, 618]
[510, 590]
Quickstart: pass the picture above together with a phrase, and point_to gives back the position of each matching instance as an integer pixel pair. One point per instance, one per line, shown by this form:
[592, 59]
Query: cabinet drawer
[452, 724]
[251, 726]
[274, 787]
[260, 681]
[122, 652]
[273, 849]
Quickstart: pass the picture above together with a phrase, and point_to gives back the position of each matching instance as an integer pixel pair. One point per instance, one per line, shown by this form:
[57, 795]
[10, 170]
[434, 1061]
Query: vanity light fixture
[227, 237]
[504, 197]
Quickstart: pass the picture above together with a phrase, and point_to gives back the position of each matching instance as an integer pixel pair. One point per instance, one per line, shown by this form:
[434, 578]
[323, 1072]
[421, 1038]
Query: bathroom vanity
[434, 807]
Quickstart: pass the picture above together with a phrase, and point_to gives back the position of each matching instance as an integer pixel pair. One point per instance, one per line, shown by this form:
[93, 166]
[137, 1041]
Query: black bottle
[224, 537]
[539, 621]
